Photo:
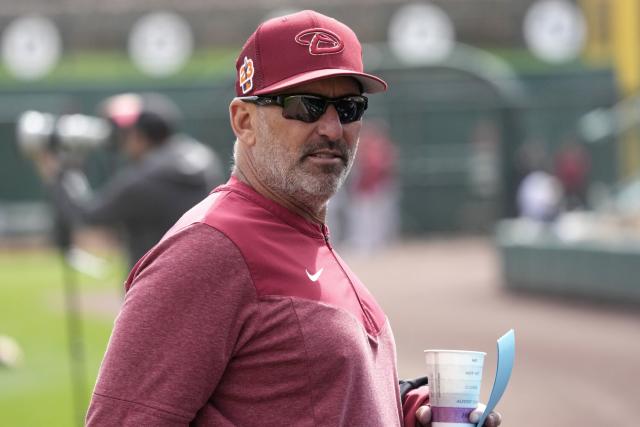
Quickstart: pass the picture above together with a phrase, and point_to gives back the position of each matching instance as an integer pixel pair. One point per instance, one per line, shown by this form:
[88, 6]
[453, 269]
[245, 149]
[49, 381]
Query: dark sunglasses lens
[310, 108]
[305, 108]
[350, 109]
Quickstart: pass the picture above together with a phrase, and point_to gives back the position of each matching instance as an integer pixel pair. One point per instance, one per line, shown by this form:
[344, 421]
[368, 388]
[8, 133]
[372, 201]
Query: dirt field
[577, 363]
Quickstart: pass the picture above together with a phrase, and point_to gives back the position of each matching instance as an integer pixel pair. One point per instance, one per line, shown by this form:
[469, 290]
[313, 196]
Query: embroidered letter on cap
[320, 41]
[246, 75]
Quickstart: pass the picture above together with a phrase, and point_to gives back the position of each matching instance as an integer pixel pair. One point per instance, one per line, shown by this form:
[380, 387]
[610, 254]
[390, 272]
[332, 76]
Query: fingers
[475, 415]
[493, 420]
[423, 415]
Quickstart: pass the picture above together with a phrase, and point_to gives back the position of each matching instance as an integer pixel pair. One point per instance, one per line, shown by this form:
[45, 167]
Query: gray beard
[275, 169]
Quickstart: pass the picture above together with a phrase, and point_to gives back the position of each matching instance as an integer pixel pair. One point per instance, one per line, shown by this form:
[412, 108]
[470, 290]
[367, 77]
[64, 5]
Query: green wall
[432, 112]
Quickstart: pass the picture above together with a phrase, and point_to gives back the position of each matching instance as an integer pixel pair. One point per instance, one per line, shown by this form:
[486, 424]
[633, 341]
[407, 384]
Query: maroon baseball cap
[300, 48]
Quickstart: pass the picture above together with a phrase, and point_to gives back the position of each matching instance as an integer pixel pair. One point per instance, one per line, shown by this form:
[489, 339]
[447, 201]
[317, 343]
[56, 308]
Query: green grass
[98, 67]
[39, 391]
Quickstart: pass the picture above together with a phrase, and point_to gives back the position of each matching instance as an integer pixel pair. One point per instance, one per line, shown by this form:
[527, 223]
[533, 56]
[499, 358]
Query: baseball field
[38, 391]
[576, 362]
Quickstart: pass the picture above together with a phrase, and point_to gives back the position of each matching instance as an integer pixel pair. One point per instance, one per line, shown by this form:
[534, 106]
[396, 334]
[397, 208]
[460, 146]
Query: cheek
[352, 132]
[294, 140]
[352, 136]
[290, 135]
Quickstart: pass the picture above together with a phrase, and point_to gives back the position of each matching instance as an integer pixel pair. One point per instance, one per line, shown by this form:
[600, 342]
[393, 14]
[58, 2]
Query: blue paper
[506, 357]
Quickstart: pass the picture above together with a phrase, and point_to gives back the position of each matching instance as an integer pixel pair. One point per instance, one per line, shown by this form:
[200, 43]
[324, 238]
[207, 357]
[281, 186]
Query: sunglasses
[309, 108]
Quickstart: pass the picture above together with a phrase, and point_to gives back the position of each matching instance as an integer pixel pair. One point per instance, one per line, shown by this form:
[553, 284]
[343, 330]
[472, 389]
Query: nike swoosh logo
[314, 277]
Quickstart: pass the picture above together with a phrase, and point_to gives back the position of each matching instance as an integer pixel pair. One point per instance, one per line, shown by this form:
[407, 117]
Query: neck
[245, 171]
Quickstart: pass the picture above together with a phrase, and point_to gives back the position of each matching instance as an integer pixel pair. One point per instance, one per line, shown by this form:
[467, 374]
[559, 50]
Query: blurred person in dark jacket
[166, 174]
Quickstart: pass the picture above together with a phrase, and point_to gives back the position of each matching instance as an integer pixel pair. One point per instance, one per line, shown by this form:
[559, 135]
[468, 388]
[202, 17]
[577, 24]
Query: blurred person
[481, 209]
[244, 313]
[484, 165]
[372, 209]
[338, 216]
[572, 167]
[530, 156]
[540, 196]
[167, 174]
[538, 192]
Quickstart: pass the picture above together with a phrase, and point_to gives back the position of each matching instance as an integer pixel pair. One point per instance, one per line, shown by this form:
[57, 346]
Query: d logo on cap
[315, 47]
[320, 41]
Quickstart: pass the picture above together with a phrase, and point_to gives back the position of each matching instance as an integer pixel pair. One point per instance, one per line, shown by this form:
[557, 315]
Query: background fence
[459, 135]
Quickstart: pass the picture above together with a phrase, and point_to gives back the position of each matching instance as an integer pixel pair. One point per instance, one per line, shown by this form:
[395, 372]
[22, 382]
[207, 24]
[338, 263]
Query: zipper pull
[325, 233]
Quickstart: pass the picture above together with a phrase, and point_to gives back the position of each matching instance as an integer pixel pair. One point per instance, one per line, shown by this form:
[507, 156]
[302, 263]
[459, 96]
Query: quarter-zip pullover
[244, 315]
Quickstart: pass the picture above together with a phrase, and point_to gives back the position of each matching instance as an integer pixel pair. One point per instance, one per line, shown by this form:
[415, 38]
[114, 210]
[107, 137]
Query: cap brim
[370, 83]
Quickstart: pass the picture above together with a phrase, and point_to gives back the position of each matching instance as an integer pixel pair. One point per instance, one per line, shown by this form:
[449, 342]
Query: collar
[318, 231]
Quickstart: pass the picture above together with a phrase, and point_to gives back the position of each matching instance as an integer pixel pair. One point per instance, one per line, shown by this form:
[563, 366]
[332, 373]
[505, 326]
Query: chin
[324, 188]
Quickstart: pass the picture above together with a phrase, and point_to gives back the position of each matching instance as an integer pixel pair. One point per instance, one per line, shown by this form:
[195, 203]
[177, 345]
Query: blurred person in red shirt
[572, 167]
[373, 191]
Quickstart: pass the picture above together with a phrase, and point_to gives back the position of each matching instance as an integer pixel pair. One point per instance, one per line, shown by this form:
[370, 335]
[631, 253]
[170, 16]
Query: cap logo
[245, 76]
[320, 41]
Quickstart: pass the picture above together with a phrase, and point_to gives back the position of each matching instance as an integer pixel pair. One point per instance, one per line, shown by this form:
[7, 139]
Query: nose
[329, 125]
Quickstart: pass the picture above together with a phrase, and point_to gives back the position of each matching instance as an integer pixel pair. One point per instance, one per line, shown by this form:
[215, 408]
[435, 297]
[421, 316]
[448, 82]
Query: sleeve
[414, 393]
[118, 200]
[407, 385]
[175, 333]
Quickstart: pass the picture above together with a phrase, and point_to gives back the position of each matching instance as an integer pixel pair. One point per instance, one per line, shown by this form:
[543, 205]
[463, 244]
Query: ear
[241, 115]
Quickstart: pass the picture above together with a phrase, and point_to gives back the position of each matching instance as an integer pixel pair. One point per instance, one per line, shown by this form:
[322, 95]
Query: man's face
[306, 161]
[134, 145]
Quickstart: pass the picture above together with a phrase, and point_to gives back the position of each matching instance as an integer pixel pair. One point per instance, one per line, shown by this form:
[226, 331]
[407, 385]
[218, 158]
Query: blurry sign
[421, 34]
[555, 30]
[31, 47]
[160, 43]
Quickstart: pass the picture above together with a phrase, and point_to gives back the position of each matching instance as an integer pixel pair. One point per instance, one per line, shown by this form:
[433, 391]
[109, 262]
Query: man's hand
[423, 415]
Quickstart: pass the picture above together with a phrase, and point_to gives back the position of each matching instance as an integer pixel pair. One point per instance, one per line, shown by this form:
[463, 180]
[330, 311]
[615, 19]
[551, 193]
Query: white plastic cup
[455, 377]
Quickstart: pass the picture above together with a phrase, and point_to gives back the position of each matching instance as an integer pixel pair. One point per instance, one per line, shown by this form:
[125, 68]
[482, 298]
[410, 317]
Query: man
[244, 314]
[373, 192]
[168, 173]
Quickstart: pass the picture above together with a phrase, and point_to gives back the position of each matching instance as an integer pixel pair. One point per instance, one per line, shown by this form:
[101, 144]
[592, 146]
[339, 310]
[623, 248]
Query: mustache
[341, 147]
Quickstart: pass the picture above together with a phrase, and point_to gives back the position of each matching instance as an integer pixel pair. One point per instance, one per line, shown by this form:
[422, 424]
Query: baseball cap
[300, 48]
[125, 109]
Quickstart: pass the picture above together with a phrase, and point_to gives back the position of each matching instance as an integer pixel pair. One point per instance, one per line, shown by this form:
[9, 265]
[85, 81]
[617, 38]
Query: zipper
[368, 316]
[325, 234]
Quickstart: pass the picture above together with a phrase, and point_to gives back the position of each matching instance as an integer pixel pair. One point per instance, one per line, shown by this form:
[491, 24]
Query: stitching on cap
[313, 19]
[257, 68]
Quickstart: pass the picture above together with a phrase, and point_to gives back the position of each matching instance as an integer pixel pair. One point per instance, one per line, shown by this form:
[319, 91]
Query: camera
[74, 133]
